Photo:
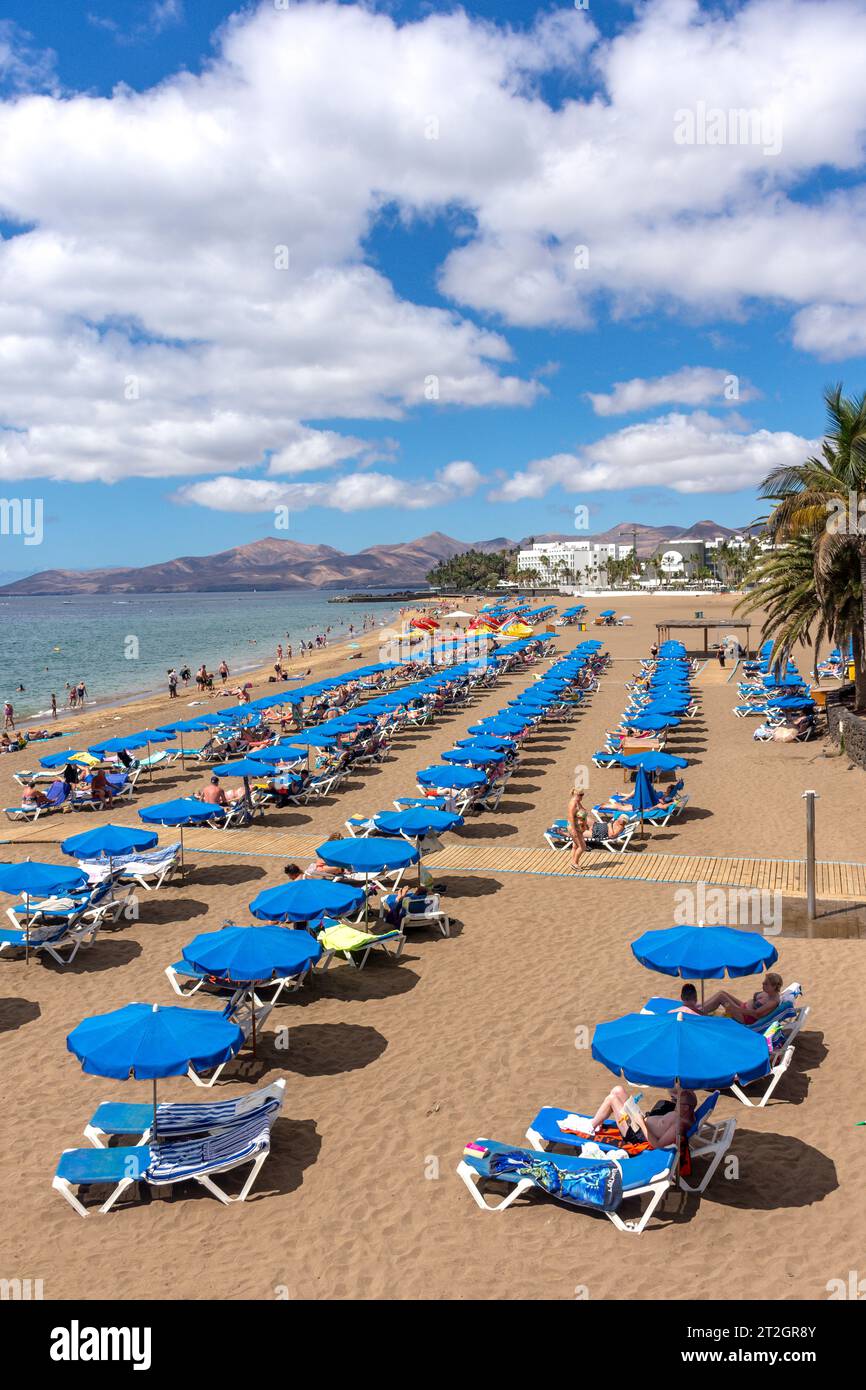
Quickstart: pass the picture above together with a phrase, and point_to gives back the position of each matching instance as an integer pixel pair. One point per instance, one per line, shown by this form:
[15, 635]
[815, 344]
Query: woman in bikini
[587, 829]
[764, 1001]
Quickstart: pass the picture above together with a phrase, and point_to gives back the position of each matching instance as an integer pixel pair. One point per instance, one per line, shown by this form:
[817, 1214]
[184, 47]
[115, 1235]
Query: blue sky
[430, 179]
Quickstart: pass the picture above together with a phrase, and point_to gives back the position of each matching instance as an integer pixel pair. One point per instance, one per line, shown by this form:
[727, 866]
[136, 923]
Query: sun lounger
[54, 935]
[161, 1165]
[360, 826]
[556, 1175]
[242, 1009]
[708, 1139]
[55, 801]
[176, 1119]
[407, 803]
[420, 909]
[150, 871]
[354, 945]
[781, 1029]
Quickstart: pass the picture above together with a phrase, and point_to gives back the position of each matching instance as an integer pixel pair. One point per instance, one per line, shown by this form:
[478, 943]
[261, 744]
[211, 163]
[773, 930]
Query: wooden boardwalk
[834, 880]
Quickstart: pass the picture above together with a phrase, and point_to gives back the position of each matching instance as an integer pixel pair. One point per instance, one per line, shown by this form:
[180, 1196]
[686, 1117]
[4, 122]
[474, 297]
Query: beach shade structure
[184, 726]
[702, 1053]
[473, 757]
[124, 744]
[246, 768]
[368, 857]
[33, 879]
[306, 900]
[452, 778]
[416, 823]
[681, 1049]
[185, 810]
[643, 796]
[704, 953]
[252, 955]
[106, 841]
[281, 753]
[650, 721]
[507, 724]
[607, 613]
[79, 756]
[147, 1041]
[652, 761]
[500, 742]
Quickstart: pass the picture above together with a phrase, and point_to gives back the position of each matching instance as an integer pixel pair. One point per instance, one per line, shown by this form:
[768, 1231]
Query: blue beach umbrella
[146, 1042]
[121, 744]
[368, 857]
[305, 900]
[704, 953]
[504, 724]
[184, 810]
[449, 777]
[106, 841]
[476, 757]
[702, 1053]
[244, 767]
[33, 879]
[496, 741]
[607, 613]
[652, 761]
[650, 721]
[252, 955]
[68, 755]
[643, 796]
[416, 822]
[281, 753]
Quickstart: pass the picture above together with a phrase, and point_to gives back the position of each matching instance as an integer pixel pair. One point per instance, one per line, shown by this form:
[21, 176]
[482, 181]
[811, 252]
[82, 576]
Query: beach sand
[390, 1071]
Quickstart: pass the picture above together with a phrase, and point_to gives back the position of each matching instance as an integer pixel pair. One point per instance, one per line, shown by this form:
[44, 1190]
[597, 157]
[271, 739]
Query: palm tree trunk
[858, 649]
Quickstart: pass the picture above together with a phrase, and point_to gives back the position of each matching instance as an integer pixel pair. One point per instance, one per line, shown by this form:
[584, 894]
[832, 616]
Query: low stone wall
[850, 729]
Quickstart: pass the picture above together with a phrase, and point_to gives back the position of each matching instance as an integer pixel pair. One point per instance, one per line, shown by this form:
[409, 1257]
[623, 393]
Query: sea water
[122, 646]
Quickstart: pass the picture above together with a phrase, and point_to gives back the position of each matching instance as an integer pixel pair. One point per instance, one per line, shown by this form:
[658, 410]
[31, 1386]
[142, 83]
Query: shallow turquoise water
[123, 646]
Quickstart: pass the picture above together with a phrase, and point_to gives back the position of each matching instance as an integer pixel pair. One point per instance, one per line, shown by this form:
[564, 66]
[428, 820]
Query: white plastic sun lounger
[646, 1174]
[709, 1140]
[162, 1165]
[182, 1119]
[780, 1060]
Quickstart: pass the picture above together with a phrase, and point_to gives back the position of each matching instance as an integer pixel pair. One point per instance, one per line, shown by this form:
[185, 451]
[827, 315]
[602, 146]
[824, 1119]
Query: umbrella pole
[182, 865]
[154, 1111]
[27, 929]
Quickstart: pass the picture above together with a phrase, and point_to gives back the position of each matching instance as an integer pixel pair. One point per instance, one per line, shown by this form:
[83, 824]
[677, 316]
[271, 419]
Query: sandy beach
[391, 1070]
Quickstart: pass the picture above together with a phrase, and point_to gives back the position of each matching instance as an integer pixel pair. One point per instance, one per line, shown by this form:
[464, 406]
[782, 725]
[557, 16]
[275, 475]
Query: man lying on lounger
[764, 1001]
[588, 829]
[658, 1128]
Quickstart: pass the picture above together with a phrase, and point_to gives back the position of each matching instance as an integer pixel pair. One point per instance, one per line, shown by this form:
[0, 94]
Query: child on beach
[8, 715]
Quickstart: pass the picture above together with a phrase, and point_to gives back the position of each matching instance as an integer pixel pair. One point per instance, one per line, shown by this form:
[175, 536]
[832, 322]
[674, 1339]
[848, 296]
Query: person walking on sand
[53, 706]
[172, 684]
[224, 671]
[721, 655]
[8, 715]
[82, 693]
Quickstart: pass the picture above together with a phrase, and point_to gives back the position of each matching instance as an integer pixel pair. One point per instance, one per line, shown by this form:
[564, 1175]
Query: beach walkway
[837, 880]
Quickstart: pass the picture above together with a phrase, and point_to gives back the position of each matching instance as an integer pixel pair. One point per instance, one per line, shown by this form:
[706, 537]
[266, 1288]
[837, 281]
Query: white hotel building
[568, 563]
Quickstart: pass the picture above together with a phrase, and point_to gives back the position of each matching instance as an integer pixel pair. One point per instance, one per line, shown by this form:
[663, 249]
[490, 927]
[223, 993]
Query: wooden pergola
[664, 630]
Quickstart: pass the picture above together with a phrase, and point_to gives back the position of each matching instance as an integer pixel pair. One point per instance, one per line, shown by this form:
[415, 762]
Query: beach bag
[596, 1184]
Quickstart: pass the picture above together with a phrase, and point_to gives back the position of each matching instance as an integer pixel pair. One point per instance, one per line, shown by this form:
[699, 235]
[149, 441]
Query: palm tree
[815, 498]
[796, 610]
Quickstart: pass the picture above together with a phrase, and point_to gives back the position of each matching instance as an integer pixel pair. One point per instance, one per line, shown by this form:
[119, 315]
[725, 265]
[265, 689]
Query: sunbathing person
[625, 803]
[99, 789]
[764, 1001]
[659, 1128]
[32, 797]
[213, 793]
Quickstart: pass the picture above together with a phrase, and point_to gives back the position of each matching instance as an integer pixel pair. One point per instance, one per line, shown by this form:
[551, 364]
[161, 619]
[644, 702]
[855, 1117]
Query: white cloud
[688, 386]
[351, 492]
[159, 217]
[688, 453]
[23, 66]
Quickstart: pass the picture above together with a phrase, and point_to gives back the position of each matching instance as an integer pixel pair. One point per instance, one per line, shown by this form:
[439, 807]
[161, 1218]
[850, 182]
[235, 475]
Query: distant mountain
[268, 564]
[275, 564]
